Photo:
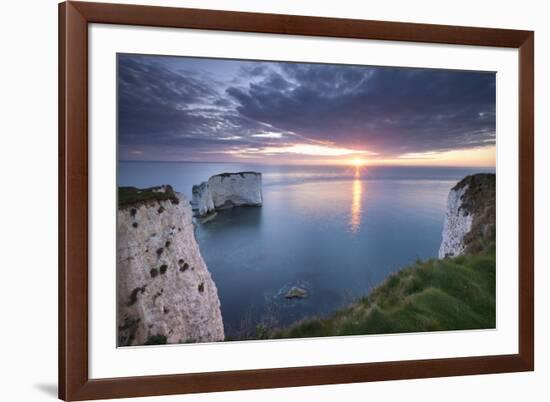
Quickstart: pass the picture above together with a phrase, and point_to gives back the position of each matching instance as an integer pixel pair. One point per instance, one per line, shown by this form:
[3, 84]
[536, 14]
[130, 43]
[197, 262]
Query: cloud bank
[177, 108]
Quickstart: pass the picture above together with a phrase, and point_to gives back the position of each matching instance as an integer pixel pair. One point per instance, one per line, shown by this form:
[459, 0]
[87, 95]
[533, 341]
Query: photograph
[261, 200]
[272, 201]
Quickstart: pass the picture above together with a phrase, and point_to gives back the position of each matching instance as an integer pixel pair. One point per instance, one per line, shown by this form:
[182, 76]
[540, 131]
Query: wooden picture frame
[74, 381]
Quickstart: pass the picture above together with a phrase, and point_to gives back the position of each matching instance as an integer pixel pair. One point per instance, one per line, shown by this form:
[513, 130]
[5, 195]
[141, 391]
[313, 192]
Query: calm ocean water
[334, 231]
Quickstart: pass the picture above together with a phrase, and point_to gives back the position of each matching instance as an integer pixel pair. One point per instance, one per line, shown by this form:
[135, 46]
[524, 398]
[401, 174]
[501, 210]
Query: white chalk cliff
[164, 290]
[469, 223]
[457, 224]
[227, 190]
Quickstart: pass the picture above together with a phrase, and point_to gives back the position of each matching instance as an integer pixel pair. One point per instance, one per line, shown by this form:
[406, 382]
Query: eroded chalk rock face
[202, 199]
[165, 293]
[457, 224]
[227, 190]
[469, 224]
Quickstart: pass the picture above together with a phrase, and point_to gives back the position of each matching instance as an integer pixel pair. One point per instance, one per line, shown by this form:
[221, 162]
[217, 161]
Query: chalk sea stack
[227, 190]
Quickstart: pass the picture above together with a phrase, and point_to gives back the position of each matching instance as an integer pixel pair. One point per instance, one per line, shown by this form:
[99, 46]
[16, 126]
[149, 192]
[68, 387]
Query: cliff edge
[165, 293]
[470, 216]
[227, 190]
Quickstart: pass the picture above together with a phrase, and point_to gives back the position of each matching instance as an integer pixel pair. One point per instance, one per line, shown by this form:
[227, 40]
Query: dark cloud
[387, 110]
[190, 106]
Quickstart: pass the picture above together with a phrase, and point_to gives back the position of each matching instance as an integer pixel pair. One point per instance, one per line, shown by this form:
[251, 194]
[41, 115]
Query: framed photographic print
[257, 201]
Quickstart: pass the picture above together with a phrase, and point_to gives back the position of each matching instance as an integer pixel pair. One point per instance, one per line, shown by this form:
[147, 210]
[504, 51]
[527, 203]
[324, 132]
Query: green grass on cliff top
[131, 196]
[432, 295]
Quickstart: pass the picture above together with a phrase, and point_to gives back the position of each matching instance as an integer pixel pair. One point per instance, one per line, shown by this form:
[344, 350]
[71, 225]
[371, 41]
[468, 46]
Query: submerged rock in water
[207, 217]
[296, 293]
[227, 190]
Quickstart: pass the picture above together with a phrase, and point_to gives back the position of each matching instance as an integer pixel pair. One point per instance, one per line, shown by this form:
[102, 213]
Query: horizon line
[310, 164]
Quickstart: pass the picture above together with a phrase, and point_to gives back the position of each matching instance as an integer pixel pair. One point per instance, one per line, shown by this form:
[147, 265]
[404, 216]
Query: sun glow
[358, 162]
[311, 149]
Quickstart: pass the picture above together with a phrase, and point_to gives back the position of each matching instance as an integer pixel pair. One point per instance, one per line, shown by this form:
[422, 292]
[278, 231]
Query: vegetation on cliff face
[479, 200]
[133, 196]
[225, 175]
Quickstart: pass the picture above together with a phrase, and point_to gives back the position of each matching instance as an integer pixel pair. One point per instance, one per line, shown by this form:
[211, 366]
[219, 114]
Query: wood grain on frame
[74, 382]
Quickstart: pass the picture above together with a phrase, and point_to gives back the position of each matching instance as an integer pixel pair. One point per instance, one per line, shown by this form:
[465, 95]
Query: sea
[335, 231]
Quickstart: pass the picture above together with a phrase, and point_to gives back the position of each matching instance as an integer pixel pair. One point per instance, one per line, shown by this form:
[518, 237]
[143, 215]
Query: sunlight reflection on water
[356, 206]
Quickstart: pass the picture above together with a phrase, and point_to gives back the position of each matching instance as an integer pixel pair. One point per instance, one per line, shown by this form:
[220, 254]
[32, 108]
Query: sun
[358, 162]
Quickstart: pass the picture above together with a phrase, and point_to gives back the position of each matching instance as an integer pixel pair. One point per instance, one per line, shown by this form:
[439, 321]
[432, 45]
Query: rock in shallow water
[207, 217]
[296, 293]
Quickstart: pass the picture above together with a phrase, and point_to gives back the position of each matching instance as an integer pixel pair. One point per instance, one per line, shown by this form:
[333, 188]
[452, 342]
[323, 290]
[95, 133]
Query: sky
[219, 110]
